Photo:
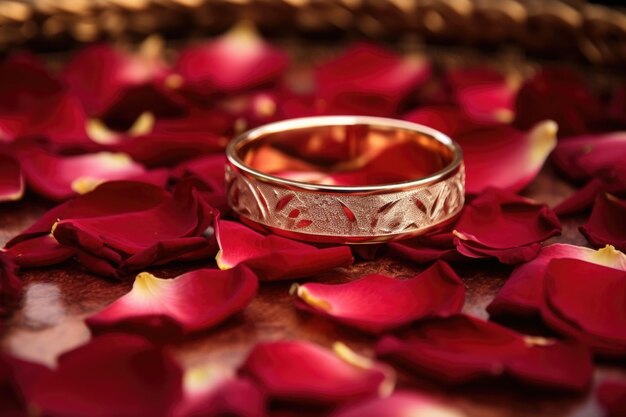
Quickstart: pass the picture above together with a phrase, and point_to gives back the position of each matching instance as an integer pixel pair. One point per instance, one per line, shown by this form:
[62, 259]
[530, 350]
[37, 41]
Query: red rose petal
[11, 179]
[10, 284]
[607, 224]
[236, 61]
[302, 372]
[584, 157]
[572, 291]
[612, 397]
[60, 177]
[176, 225]
[273, 257]
[378, 303]
[208, 169]
[193, 301]
[38, 251]
[447, 119]
[425, 249]
[560, 95]
[99, 74]
[112, 375]
[584, 197]
[400, 404]
[523, 293]
[503, 225]
[461, 349]
[367, 79]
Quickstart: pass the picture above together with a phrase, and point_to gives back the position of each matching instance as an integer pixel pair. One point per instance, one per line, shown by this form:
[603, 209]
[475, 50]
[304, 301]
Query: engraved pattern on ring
[343, 214]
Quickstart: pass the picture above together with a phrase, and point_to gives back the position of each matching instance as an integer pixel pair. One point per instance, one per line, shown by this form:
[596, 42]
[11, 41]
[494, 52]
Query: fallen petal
[612, 397]
[302, 372]
[10, 284]
[607, 223]
[400, 404]
[378, 303]
[273, 257]
[11, 179]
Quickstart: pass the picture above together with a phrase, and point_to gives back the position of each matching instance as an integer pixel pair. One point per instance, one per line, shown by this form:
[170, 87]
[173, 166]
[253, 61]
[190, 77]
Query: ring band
[301, 200]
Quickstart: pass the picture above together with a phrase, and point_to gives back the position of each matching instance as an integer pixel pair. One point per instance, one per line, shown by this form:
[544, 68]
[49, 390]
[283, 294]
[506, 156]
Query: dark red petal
[523, 293]
[11, 179]
[367, 79]
[504, 225]
[99, 74]
[587, 301]
[114, 238]
[461, 349]
[559, 95]
[447, 119]
[584, 157]
[378, 303]
[427, 249]
[607, 224]
[584, 197]
[10, 284]
[38, 251]
[235, 61]
[400, 404]
[60, 177]
[112, 375]
[504, 157]
[193, 301]
[612, 397]
[302, 372]
[273, 257]
[16, 376]
[208, 169]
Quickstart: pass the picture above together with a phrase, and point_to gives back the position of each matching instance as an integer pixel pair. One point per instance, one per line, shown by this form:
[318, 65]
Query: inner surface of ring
[346, 155]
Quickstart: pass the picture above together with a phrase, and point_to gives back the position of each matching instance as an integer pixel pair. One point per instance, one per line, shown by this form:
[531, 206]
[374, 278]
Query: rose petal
[10, 284]
[503, 225]
[607, 224]
[584, 157]
[378, 303]
[447, 119]
[367, 79]
[273, 257]
[36, 251]
[504, 157]
[523, 293]
[584, 197]
[612, 397]
[302, 372]
[11, 179]
[176, 225]
[206, 393]
[112, 375]
[425, 249]
[461, 349]
[400, 404]
[99, 74]
[207, 173]
[193, 301]
[236, 61]
[560, 95]
[61, 177]
[573, 289]
[16, 377]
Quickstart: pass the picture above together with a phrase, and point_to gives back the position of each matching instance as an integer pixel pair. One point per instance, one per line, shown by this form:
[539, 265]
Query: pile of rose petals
[129, 145]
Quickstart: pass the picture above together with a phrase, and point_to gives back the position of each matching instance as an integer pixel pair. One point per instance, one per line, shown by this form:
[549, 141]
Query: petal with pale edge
[462, 349]
[112, 375]
[400, 404]
[588, 302]
[377, 303]
[273, 257]
[193, 301]
[607, 223]
[303, 372]
[10, 284]
[11, 179]
[523, 293]
[504, 225]
[612, 397]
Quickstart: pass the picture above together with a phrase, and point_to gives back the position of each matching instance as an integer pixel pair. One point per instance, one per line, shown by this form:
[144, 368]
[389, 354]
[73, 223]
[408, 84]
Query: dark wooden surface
[56, 300]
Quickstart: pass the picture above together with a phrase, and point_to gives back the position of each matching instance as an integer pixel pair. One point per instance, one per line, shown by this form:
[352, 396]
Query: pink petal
[236, 61]
[11, 179]
[607, 224]
[461, 349]
[378, 303]
[273, 257]
[302, 372]
[523, 293]
[587, 301]
[112, 375]
[400, 404]
[193, 301]
[367, 79]
[503, 225]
